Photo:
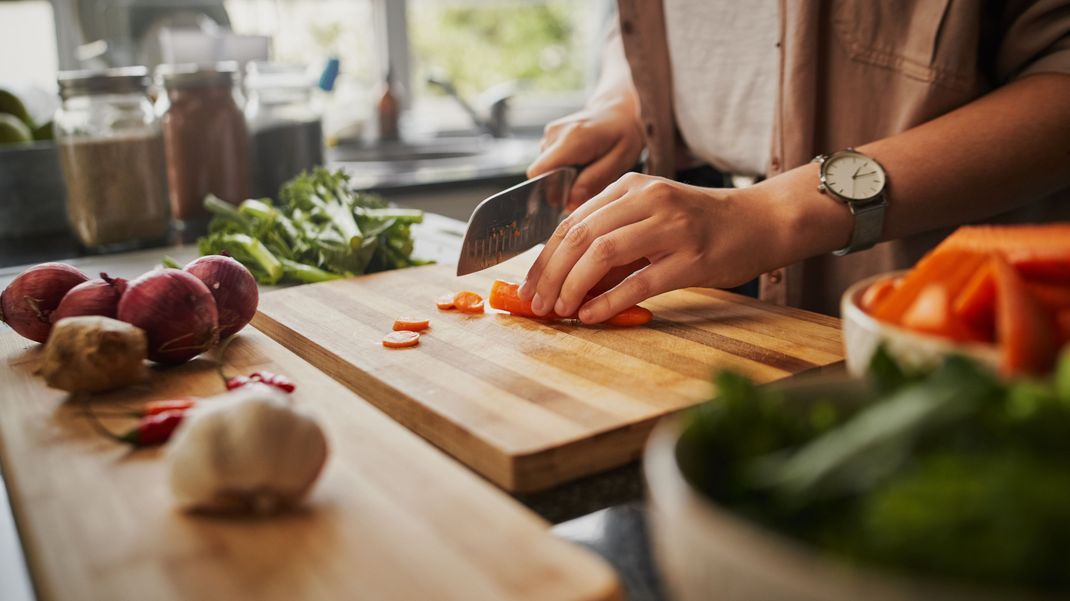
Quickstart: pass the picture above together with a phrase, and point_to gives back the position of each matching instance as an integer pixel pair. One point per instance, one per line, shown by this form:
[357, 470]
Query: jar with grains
[111, 153]
[205, 138]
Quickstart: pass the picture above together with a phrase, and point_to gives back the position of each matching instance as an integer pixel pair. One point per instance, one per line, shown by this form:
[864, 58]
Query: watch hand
[857, 175]
[857, 170]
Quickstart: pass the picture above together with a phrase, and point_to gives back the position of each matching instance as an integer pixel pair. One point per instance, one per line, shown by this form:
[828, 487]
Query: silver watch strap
[869, 223]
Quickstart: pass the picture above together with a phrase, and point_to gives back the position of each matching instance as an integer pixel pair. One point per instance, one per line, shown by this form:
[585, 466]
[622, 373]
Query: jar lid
[124, 80]
[194, 75]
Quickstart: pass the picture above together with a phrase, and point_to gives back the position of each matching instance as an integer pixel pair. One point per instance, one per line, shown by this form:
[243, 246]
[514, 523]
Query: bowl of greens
[943, 483]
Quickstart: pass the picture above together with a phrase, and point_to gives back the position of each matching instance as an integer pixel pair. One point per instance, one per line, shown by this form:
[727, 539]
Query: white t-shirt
[724, 72]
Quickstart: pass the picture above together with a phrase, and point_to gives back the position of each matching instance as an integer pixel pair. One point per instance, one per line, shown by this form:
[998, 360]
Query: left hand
[691, 236]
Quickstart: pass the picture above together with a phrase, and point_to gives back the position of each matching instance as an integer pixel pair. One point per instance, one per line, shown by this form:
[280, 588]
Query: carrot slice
[877, 292]
[975, 305]
[632, 316]
[1053, 296]
[401, 339]
[951, 268]
[412, 324]
[1036, 251]
[468, 302]
[1025, 329]
[932, 313]
[445, 302]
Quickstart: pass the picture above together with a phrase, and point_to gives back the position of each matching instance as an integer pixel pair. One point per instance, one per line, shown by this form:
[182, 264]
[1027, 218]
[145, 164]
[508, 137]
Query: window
[547, 48]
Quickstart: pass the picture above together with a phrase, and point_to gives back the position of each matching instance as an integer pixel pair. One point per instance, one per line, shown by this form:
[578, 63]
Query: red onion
[27, 304]
[232, 286]
[95, 297]
[177, 312]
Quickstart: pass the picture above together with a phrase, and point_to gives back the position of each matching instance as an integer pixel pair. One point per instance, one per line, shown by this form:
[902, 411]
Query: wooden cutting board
[531, 404]
[390, 518]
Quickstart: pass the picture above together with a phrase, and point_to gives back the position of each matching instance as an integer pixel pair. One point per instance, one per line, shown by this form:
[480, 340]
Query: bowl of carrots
[998, 294]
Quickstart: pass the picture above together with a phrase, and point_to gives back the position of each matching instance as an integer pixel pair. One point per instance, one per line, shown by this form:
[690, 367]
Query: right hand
[606, 140]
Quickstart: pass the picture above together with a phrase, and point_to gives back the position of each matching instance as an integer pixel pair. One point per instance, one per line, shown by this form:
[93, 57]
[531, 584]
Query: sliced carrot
[445, 302]
[1039, 251]
[1053, 296]
[877, 292]
[505, 296]
[951, 268]
[412, 324]
[1062, 325]
[632, 316]
[1025, 329]
[932, 313]
[975, 305]
[401, 339]
[468, 302]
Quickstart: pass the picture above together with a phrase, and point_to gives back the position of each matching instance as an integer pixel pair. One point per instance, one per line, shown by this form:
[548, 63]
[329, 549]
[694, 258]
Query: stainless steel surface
[433, 161]
[511, 222]
[496, 100]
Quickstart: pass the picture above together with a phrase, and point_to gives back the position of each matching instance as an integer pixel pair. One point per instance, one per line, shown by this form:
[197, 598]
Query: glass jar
[285, 124]
[111, 153]
[205, 138]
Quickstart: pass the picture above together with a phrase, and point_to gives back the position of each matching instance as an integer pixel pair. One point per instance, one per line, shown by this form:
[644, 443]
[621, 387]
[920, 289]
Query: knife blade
[512, 221]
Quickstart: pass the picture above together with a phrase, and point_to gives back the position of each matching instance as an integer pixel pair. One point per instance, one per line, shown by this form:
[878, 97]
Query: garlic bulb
[245, 450]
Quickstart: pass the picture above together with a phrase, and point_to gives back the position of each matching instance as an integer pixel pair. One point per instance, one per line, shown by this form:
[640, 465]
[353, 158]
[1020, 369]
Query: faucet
[495, 98]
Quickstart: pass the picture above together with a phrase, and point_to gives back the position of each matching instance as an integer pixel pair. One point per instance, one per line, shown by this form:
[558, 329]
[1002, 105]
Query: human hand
[691, 236]
[607, 140]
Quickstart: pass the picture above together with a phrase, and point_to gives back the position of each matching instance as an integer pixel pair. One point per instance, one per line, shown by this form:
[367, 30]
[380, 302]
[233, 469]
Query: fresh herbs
[949, 473]
[321, 230]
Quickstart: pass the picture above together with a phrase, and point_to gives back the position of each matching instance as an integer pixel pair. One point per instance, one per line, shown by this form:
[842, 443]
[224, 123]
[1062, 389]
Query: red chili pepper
[155, 407]
[153, 430]
[264, 377]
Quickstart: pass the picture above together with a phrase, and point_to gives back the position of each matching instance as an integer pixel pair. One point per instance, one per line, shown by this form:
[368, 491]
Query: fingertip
[537, 307]
[527, 290]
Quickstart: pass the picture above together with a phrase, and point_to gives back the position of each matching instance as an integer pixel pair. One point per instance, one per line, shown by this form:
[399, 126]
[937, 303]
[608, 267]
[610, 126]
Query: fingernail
[585, 314]
[536, 305]
[525, 290]
[559, 308]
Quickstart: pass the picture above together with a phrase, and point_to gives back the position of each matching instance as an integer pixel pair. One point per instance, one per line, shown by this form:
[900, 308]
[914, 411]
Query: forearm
[991, 155]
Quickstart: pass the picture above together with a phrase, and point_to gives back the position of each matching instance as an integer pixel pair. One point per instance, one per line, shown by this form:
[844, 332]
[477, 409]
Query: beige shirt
[905, 63]
[724, 73]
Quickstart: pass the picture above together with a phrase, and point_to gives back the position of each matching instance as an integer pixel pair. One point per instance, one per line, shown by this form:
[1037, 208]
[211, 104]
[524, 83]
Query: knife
[512, 221]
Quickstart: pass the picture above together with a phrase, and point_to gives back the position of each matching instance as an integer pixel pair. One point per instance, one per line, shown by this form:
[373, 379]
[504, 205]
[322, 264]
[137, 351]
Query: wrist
[810, 223]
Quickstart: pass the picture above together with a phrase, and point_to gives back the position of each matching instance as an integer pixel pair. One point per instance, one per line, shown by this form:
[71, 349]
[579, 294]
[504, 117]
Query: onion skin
[94, 297]
[177, 312]
[27, 304]
[232, 286]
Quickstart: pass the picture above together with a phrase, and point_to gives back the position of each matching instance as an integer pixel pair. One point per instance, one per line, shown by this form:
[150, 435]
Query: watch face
[853, 176]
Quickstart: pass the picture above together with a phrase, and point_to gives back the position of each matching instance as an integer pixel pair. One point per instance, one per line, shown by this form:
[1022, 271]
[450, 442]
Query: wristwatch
[859, 182]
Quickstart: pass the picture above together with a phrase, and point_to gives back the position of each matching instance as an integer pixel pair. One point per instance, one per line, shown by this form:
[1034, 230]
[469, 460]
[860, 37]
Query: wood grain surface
[532, 404]
[390, 518]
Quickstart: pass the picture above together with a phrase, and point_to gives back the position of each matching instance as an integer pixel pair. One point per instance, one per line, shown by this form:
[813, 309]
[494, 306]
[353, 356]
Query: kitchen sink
[427, 150]
[433, 161]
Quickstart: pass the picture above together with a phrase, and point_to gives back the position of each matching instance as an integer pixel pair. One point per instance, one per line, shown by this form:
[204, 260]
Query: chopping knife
[511, 222]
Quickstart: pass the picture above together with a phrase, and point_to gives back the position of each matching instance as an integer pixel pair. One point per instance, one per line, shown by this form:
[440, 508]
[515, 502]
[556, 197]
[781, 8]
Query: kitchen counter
[616, 533]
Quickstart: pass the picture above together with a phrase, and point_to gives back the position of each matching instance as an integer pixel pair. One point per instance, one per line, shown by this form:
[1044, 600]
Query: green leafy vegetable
[950, 473]
[320, 230]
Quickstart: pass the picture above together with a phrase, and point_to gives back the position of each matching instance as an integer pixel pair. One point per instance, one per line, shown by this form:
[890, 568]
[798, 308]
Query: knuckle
[562, 229]
[604, 249]
[577, 235]
[632, 178]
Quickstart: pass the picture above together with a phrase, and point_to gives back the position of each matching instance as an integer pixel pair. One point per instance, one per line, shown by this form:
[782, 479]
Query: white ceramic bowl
[704, 552]
[862, 334]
